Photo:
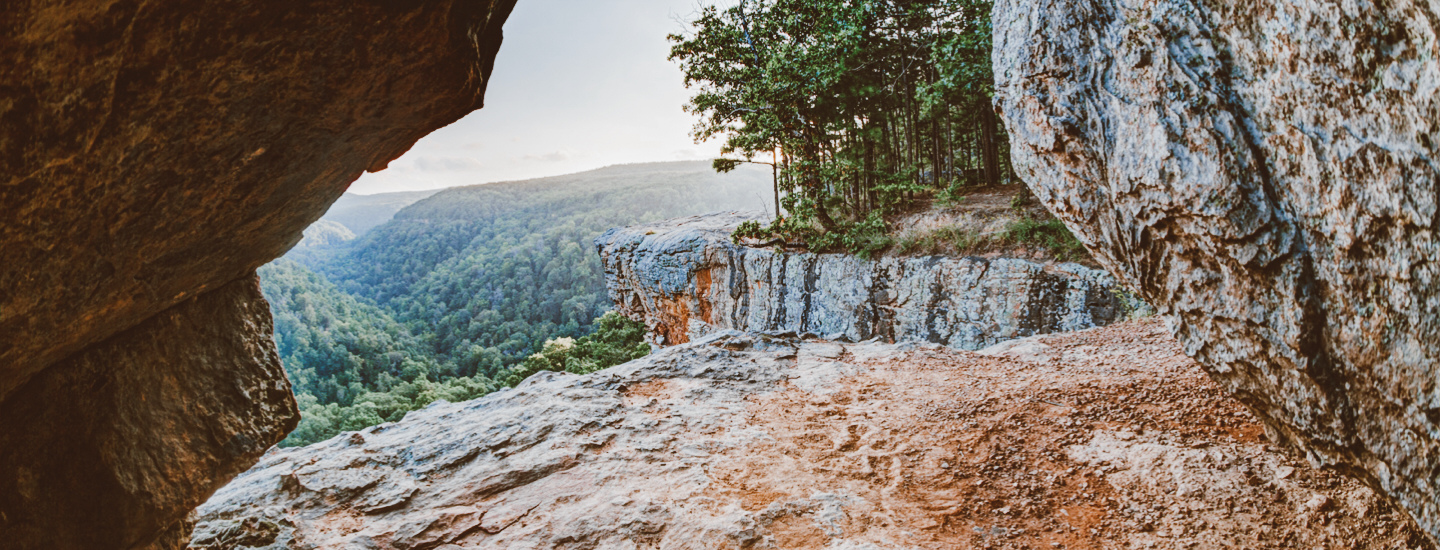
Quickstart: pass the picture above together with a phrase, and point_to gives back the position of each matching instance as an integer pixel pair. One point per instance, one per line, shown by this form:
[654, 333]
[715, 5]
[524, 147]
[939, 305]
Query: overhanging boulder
[152, 155]
[1266, 173]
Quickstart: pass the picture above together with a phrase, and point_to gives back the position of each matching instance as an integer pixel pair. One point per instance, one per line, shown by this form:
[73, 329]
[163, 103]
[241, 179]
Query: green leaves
[725, 165]
[861, 104]
[1050, 234]
[616, 340]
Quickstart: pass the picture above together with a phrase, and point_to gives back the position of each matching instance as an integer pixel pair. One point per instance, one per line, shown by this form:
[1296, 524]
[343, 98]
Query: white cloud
[555, 156]
[447, 164]
[578, 84]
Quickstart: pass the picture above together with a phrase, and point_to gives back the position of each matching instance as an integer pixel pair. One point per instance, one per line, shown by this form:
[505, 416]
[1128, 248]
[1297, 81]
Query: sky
[578, 84]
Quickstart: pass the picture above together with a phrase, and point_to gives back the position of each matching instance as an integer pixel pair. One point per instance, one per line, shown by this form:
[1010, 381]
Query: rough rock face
[153, 154]
[161, 415]
[1267, 173]
[1109, 438]
[685, 278]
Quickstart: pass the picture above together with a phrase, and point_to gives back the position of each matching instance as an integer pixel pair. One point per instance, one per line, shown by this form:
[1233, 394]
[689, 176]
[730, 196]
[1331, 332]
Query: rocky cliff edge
[1106, 438]
[685, 278]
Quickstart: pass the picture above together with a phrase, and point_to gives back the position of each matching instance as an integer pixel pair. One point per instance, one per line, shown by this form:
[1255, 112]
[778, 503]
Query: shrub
[616, 340]
[1049, 234]
[749, 229]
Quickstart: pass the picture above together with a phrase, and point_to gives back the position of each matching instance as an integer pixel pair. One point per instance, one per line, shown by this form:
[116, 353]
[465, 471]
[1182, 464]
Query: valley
[447, 296]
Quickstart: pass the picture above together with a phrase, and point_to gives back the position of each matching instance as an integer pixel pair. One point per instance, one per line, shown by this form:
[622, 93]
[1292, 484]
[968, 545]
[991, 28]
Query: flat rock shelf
[1104, 438]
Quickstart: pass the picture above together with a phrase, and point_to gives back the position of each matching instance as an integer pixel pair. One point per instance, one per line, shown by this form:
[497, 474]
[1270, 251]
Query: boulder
[1267, 174]
[154, 154]
[118, 442]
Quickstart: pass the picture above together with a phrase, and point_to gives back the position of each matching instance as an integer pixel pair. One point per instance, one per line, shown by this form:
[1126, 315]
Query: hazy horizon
[432, 190]
[577, 85]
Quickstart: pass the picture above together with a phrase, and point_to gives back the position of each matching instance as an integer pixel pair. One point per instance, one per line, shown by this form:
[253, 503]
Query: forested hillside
[490, 272]
[446, 300]
[333, 345]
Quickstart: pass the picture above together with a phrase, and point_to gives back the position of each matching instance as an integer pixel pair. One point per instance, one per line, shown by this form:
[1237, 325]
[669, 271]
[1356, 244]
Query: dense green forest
[858, 105]
[472, 289]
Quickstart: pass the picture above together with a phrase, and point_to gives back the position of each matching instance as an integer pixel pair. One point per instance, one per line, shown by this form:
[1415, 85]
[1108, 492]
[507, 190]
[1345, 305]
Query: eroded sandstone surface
[685, 278]
[152, 155]
[1268, 174]
[1107, 438]
[157, 418]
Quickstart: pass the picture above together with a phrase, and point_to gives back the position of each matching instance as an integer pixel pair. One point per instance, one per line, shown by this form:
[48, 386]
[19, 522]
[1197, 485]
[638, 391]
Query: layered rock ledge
[152, 155]
[685, 278]
[1268, 174]
[1106, 438]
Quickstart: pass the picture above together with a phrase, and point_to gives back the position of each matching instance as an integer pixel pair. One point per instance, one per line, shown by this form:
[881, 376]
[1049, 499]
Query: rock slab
[685, 278]
[1268, 174]
[152, 155]
[1107, 438]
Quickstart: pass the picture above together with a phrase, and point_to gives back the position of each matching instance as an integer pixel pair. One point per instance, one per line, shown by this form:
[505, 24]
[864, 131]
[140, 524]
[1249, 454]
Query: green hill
[324, 233]
[458, 289]
[492, 271]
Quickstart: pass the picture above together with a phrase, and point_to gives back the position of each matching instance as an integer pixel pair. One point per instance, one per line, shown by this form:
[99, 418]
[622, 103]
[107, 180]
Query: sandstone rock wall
[152, 155]
[685, 278]
[1268, 174]
[125, 437]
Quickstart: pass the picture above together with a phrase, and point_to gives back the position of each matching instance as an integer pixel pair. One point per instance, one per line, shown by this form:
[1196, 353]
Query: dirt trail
[1108, 438]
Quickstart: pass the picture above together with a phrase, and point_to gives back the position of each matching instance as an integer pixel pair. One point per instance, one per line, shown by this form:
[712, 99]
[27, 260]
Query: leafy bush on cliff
[616, 340]
[1050, 234]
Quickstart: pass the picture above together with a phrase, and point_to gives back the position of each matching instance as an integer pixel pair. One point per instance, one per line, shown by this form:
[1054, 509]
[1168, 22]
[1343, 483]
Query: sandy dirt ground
[1108, 438]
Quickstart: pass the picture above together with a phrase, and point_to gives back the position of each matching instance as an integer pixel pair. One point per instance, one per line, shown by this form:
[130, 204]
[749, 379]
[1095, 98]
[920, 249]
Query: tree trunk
[989, 148]
[775, 179]
[811, 154]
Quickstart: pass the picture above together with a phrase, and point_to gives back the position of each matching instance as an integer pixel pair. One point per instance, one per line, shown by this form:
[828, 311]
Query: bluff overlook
[1263, 173]
[685, 278]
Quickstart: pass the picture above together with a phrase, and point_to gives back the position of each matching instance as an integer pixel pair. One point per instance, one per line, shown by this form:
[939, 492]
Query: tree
[859, 104]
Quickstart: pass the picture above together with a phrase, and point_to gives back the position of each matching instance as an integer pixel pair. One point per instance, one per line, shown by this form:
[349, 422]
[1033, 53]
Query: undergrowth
[1052, 235]
[1049, 235]
[873, 236]
[865, 238]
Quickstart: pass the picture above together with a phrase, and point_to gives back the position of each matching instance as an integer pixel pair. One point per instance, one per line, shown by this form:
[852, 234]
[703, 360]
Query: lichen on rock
[685, 278]
[1268, 175]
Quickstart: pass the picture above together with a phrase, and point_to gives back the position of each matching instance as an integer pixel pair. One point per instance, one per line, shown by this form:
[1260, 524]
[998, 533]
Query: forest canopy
[856, 105]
